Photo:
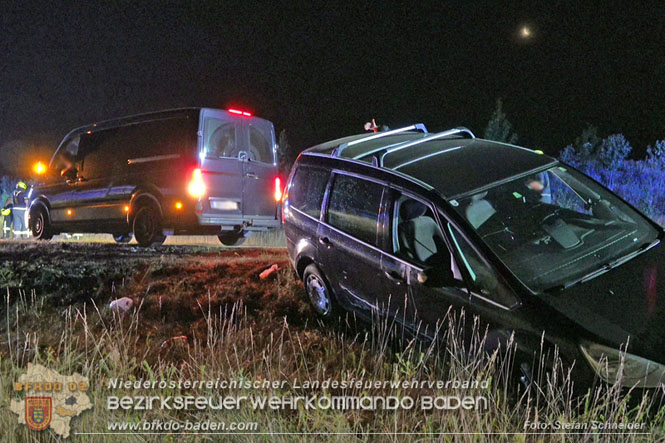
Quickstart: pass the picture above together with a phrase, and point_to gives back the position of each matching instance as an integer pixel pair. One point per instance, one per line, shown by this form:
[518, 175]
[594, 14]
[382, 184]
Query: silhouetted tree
[656, 155]
[499, 128]
[285, 154]
[613, 151]
[588, 143]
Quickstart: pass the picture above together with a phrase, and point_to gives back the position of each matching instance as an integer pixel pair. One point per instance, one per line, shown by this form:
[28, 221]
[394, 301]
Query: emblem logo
[38, 412]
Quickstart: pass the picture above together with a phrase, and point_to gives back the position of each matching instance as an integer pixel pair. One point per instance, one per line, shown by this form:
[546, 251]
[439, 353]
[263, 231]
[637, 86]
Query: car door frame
[58, 190]
[409, 271]
[92, 209]
[217, 168]
[494, 316]
[362, 305]
[258, 176]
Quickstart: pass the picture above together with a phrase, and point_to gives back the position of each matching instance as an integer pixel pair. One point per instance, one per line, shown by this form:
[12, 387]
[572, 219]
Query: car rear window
[354, 207]
[260, 144]
[220, 138]
[307, 188]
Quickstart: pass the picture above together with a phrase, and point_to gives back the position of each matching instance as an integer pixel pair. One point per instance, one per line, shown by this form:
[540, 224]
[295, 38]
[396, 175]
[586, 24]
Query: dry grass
[238, 326]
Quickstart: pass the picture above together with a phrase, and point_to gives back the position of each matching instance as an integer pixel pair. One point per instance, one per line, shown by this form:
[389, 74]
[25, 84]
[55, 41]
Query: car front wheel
[40, 225]
[319, 294]
[148, 227]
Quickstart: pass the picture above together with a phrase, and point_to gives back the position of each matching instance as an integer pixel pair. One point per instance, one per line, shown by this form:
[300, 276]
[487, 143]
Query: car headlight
[612, 365]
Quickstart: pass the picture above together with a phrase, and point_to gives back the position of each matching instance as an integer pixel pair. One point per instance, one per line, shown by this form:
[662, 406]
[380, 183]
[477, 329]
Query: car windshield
[556, 227]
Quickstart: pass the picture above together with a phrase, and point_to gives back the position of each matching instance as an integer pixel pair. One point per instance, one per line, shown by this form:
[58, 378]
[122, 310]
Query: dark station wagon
[183, 171]
[409, 224]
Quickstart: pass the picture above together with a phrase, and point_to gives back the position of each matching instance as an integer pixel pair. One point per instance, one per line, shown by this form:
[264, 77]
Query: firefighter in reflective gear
[14, 211]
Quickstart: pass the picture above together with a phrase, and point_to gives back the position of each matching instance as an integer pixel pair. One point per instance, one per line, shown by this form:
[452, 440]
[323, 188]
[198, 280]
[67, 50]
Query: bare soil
[175, 287]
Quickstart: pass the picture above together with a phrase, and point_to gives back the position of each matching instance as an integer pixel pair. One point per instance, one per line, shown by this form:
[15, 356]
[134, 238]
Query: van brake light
[197, 187]
[239, 112]
[278, 189]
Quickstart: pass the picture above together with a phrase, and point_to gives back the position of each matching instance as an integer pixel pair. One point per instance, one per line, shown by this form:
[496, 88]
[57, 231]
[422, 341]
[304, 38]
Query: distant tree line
[640, 181]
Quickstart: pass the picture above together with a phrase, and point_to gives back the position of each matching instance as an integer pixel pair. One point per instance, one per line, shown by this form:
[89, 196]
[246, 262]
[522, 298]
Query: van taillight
[196, 187]
[278, 189]
[239, 112]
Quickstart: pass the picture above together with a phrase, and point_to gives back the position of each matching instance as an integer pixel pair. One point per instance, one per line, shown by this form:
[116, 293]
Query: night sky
[321, 72]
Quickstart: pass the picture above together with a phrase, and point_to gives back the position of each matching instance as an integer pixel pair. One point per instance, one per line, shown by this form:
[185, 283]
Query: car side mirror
[69, 174]
[438, 277]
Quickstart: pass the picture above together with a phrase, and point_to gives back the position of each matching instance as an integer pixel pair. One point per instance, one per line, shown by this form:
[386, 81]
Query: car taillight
[278, 189]
[196, 187]
[239, 112]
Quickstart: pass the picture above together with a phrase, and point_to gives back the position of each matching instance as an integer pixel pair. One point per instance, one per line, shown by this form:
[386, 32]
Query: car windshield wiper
[606, 266]
[643, 248]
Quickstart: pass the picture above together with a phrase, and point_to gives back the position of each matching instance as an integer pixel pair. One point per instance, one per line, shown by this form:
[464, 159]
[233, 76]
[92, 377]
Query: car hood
[626, 303]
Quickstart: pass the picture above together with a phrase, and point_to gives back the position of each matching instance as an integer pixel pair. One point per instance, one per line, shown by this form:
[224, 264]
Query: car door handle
[251, 175]
[325, 241]
[394, 276]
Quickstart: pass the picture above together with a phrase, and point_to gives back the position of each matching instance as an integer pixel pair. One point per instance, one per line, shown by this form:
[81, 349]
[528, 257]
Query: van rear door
[220, 165]
[259, 170]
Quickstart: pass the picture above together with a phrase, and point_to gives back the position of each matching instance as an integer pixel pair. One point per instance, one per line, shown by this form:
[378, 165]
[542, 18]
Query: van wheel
[148, 227]
[233, 238]
[319, 293]
[123, 238]
[40, 226]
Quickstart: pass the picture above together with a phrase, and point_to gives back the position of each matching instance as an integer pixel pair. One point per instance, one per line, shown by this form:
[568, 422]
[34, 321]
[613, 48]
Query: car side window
[72, 147]
[354, 207]
[306, 190]
[97, 161]
[171, 136]
[484, 279]
[416, 234]
[417, 237]
[106, 152]
[220, 138]
[260, 145]
[67, 158]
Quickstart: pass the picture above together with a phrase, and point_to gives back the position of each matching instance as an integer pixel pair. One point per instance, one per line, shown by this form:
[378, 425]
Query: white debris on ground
[122, 304]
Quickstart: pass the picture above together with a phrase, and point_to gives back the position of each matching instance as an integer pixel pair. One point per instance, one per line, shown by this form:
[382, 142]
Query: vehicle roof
[192, 112]
[133, 119]
[452, 165]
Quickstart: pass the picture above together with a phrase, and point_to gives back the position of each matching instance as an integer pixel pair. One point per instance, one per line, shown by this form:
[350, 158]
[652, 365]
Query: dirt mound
[177, 290]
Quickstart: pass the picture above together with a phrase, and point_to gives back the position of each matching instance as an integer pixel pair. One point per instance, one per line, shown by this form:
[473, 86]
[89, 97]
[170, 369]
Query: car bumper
[256, 223]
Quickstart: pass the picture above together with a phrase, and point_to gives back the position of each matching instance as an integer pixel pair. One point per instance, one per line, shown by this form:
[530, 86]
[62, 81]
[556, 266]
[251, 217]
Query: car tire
[147, 227]
[233, 238]
[319, 293]
[525, 374]
[40, 225]
[123, 238]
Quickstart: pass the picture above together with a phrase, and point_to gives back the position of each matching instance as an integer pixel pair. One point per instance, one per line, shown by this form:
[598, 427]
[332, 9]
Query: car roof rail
[450, 132]
[337, 152]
